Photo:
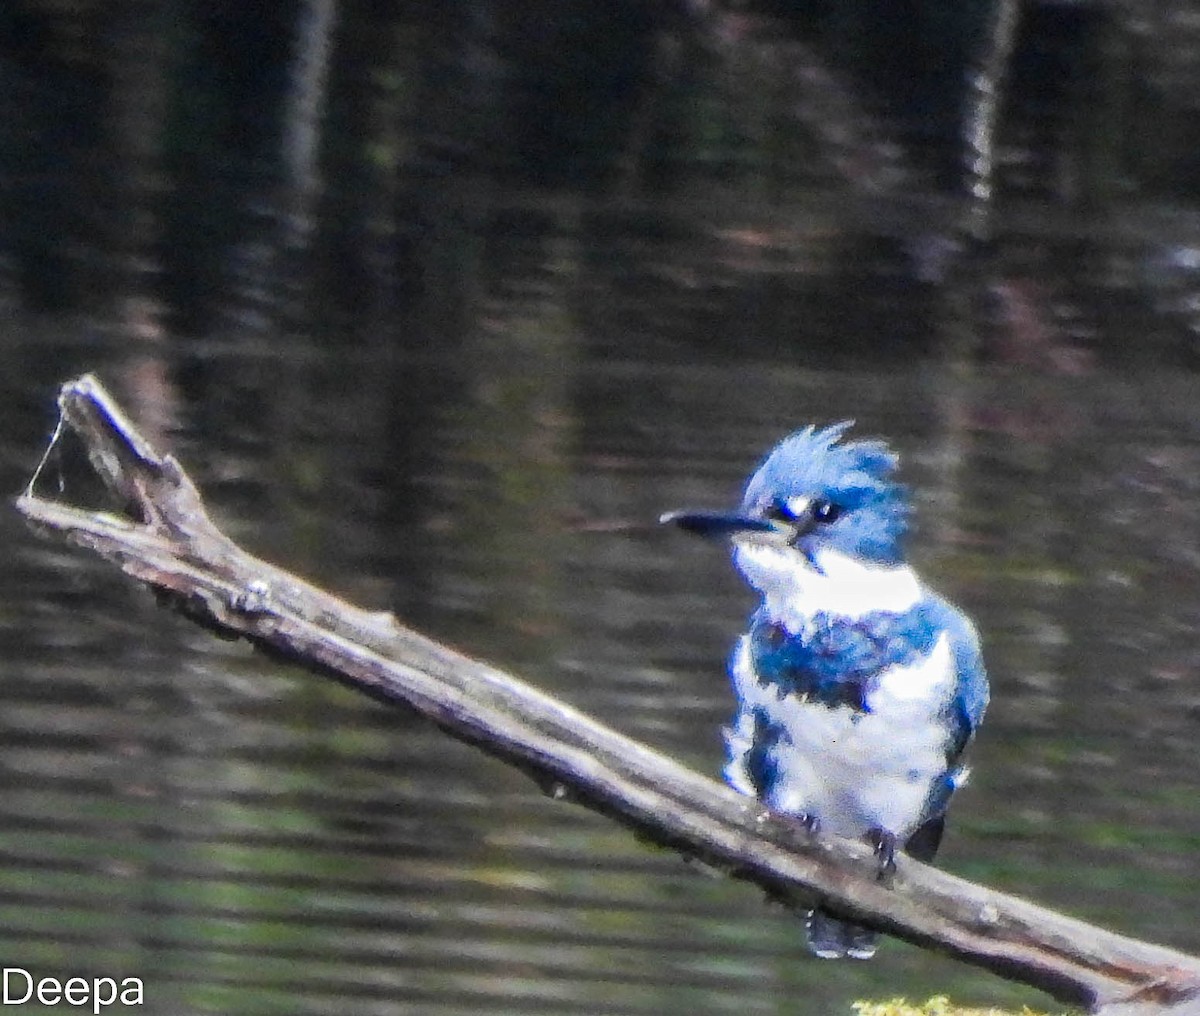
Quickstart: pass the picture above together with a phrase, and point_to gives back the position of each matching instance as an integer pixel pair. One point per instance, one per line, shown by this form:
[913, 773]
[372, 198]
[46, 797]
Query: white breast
[855, 770]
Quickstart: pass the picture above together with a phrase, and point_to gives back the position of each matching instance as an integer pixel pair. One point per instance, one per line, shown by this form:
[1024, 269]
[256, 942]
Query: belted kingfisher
[858, 688]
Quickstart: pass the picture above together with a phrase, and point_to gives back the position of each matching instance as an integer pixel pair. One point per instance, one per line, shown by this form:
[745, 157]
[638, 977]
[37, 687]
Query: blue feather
[855, 475]
[835, 659]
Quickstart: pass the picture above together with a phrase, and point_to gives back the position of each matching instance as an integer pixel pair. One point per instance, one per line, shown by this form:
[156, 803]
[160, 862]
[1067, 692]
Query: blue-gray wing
[964, 712]
[969, 699]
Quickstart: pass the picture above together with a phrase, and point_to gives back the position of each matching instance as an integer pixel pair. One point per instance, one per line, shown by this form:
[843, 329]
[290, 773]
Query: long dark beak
[717, 525]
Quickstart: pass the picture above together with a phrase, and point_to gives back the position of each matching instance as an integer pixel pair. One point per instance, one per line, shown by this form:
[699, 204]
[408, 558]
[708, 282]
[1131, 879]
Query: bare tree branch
[170, 545]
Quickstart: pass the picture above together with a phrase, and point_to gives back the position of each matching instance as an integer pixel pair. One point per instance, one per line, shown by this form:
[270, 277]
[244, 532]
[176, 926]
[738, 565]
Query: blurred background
[442, 304]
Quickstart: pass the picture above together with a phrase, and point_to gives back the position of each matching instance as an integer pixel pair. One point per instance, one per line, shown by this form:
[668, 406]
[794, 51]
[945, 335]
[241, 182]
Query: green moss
[939, 1005]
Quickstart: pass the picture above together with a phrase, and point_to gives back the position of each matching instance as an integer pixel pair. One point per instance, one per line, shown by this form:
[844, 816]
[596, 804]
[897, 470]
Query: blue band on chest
[835, 658]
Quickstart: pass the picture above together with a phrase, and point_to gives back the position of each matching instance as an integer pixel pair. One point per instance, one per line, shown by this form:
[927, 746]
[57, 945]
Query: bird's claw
[884, 843]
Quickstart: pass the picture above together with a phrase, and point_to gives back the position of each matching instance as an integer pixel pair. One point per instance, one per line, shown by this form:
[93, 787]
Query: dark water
[247, 838]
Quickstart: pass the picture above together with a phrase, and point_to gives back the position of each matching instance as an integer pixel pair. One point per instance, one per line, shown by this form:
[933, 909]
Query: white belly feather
[854, 770]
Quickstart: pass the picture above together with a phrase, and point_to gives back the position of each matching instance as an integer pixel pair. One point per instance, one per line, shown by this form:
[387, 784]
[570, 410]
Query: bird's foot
[809, 822]
[884, 843]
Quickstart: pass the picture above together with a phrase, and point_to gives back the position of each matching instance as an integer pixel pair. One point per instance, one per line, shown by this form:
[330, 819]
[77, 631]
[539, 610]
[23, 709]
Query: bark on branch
[168, 543]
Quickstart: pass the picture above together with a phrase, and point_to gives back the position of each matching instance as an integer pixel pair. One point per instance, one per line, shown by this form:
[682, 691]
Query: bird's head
[815, 501]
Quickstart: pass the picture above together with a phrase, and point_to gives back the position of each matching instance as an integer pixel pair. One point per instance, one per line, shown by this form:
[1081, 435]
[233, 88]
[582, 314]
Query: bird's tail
[831, 938]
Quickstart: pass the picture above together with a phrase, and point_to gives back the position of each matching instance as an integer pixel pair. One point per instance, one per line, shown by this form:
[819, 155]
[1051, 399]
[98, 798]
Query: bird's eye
[825, 511]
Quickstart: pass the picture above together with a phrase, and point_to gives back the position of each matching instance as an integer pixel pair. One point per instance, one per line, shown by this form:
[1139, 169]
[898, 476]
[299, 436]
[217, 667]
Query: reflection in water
[251, 839]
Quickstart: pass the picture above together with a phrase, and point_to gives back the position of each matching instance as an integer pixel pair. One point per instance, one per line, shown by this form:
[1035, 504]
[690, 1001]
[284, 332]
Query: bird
[858, 688]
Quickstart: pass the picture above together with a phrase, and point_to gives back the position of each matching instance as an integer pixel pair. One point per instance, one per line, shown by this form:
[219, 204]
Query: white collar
[795, 590]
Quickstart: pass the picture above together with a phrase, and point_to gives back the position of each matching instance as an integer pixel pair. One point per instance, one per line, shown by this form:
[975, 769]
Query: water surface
[249, 838]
